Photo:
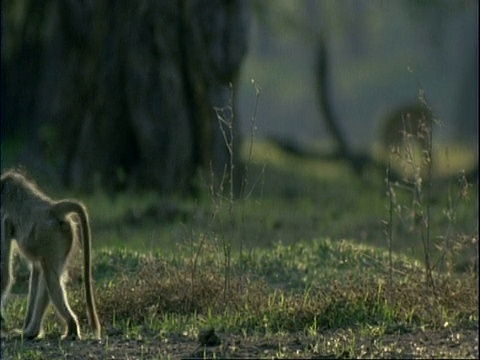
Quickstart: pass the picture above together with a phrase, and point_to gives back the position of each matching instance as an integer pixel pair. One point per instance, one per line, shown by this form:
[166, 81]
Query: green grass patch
[322, 284]
[298, 268]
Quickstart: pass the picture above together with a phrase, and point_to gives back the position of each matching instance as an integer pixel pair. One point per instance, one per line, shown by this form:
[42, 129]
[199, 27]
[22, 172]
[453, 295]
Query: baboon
[45, 231]
[410, 121]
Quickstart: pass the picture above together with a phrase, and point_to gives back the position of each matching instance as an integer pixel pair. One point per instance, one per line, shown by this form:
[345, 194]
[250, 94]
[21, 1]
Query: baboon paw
[72, 336]
[30, 335]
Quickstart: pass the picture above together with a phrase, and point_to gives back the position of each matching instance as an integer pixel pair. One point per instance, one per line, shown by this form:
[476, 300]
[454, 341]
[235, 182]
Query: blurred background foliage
[379, 54]
[122, 95]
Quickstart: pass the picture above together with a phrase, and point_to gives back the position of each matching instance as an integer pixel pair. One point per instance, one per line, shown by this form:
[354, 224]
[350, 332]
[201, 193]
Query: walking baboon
[44, 230]
[410, 122]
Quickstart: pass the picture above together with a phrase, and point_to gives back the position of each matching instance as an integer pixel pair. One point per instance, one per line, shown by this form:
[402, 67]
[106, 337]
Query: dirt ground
[447, 343]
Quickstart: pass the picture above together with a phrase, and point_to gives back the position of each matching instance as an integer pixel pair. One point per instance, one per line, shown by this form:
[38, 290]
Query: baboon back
[407, 121]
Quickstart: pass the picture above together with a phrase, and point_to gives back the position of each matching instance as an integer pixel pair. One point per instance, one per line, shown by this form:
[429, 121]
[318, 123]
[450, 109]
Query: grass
[286, 293]
[308, 273]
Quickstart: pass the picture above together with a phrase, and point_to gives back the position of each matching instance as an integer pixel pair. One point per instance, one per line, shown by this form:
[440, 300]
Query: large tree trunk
[214, 43]
[127, 90]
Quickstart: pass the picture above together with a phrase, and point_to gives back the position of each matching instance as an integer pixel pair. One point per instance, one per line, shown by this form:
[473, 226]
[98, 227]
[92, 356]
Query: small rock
[208, 338]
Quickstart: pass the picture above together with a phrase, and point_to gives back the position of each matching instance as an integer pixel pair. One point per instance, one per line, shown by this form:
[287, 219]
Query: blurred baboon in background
[411, 124]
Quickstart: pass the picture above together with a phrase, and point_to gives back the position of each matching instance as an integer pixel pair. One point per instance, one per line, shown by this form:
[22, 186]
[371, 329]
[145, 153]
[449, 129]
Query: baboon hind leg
[37, 304]
[58, 297]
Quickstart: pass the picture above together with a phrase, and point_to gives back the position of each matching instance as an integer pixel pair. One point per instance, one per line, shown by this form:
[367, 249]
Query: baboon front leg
[35, 277]
[6, 261]
[58, 297]
[37, 304]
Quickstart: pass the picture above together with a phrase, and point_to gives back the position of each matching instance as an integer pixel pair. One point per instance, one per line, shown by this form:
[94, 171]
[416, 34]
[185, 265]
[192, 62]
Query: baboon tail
[61, 209]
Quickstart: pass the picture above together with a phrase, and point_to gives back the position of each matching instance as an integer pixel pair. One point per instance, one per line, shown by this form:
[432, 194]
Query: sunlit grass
[309, 271]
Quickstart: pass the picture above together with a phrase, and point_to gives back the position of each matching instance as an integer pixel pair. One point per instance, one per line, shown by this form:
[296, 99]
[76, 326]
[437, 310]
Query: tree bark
[214, 45]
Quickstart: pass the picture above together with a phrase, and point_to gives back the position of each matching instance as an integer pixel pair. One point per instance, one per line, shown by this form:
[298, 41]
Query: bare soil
[446, 343]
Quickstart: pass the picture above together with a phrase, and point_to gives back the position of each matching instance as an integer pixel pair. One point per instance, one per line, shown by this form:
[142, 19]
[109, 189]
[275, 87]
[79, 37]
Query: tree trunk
[214, 44]
[127, 90]
[357, 161]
